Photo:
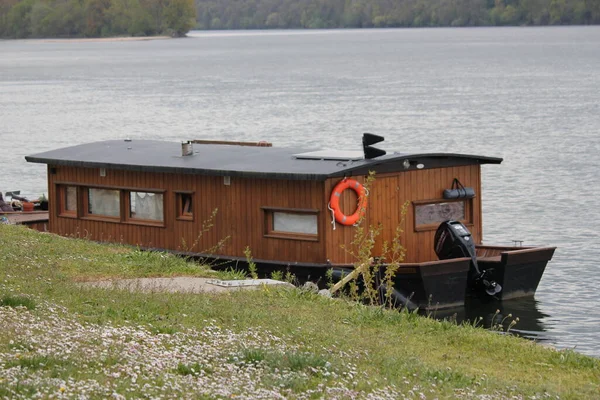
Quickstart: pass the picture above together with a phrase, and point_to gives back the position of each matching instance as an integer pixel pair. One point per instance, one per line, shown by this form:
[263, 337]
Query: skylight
[333, 155]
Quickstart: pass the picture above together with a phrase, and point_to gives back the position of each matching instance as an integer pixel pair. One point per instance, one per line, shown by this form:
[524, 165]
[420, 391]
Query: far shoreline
[263, 31]
[102, 39]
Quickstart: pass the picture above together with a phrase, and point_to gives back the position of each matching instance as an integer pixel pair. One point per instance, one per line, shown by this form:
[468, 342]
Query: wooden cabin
[160, 195]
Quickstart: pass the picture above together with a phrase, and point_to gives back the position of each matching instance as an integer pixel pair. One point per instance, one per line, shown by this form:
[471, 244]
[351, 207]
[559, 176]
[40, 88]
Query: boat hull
[434, 284]
[428, 285]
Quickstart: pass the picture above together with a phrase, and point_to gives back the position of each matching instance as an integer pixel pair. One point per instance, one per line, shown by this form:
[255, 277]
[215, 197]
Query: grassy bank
[62, 339]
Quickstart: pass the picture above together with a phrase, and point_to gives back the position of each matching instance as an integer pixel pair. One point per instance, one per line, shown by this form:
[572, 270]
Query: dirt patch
[183, 284]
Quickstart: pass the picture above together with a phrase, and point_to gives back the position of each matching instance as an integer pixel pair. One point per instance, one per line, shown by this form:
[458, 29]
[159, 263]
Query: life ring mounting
[334, 201]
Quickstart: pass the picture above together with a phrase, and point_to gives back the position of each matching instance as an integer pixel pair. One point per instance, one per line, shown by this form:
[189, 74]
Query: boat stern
[518, 270]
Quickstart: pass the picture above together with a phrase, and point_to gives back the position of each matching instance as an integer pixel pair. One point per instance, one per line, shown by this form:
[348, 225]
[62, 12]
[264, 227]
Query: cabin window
[185, 206]
[103, 203]
[305, 224]
[429, 214]
[146, 206]
[67, 201]
[291, 224]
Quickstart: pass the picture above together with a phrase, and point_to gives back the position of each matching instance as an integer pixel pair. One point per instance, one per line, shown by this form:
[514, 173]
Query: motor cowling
[453, 240]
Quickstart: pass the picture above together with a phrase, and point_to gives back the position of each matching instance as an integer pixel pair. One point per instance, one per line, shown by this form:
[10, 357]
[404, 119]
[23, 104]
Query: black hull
[435, 284]
[428, 285]
[431, 285]
[438, 284]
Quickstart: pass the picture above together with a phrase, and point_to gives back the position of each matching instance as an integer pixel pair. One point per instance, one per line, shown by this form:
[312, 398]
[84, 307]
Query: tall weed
[377, 273]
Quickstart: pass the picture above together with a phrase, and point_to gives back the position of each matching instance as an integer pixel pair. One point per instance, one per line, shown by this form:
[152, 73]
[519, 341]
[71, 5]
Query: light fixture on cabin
[226, 180]
[420, 166]
[103, 172]
[406, 164]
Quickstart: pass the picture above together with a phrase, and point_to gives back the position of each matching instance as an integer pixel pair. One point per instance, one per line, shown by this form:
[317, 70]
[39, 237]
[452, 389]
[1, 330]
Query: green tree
[580, 13]
[5, 7]
[19, 19]
[180, 16]
[594, 8]
[510, 15]
[95, 22]
[534, 12]
[272, 20]
[72, 17]
[561, 12]
[44, 21]
[354, 14]
[156, 10]
[128, 17]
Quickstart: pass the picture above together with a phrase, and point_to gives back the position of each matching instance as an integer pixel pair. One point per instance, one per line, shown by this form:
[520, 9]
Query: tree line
[284, 14]
[92, 18]
[95, 18]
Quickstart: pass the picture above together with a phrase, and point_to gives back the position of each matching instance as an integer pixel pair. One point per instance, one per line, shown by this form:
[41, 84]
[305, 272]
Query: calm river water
[529, 95]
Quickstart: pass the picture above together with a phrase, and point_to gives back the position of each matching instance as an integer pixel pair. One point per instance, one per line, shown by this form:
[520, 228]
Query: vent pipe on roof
[187, 149]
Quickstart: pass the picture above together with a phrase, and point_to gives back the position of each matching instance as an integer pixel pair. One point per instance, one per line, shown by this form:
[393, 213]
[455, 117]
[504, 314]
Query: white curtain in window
[104, 202]
[147, 206]
[295, 223]
[71, 198]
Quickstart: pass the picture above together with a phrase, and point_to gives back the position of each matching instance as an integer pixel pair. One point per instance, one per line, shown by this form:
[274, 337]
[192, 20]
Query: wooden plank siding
[387, 195]
[239, 216]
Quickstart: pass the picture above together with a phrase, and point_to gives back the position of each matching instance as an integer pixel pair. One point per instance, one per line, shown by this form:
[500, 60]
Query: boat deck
[34, 219]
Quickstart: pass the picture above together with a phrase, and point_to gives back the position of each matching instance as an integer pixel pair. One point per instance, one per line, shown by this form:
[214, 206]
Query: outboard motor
[453, 240]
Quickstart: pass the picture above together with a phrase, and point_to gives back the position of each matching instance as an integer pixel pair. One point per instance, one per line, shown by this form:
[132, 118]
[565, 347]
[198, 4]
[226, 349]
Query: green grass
[294, 361]
[9, 300]
[34, 362]
[319, 342]
[231, 274]
[192, 369]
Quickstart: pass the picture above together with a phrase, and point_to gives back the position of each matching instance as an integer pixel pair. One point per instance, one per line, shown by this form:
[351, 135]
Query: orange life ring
[334, 201]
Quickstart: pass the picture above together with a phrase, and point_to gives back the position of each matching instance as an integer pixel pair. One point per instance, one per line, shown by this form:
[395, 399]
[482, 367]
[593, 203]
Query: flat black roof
[239, 161]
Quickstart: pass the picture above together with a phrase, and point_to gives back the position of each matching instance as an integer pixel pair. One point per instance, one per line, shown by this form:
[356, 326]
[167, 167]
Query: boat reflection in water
[498, 315]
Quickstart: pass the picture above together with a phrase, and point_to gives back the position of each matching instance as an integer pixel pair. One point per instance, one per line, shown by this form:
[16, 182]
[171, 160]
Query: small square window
[185, 206]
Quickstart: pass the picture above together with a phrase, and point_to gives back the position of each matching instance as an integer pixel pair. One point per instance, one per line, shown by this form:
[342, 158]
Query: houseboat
[292, 207]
